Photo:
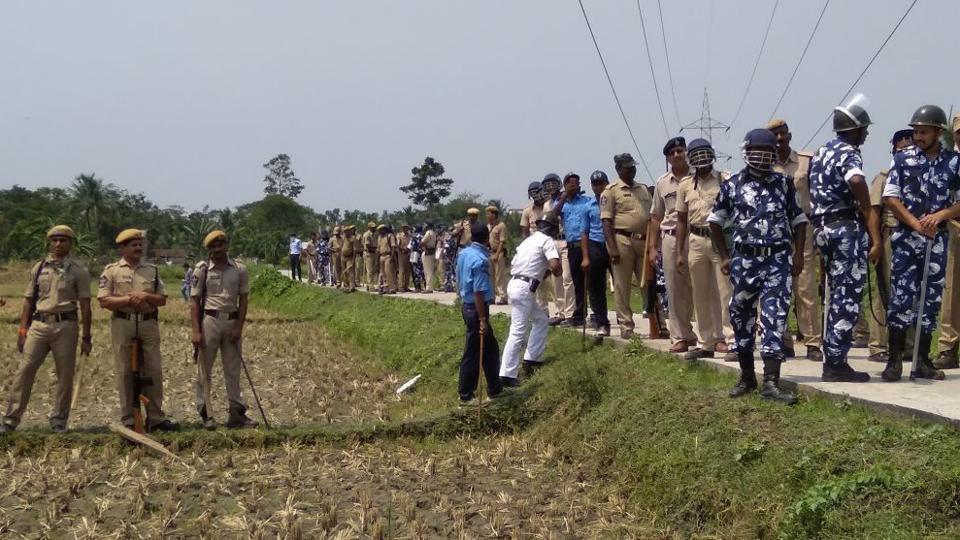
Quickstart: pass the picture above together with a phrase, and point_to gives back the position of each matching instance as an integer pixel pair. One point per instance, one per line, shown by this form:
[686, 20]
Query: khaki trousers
[878, 331]
[61, 339]
[806, 297]
[566, 296]
[950, 309]
[337, 264]
[405, 271]
[499, 276]
[429, 269]
[359, 270]
[712, 289]
[388, 271]
[349, 273]
[679, 294]
[217, 337]
[373, 269]
[630, 266]
[122, 332]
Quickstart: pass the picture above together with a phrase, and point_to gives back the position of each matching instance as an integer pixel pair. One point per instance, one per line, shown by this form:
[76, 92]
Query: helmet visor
[701, 157]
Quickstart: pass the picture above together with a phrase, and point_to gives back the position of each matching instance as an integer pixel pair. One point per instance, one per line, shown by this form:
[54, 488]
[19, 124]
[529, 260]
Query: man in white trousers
[536, 256]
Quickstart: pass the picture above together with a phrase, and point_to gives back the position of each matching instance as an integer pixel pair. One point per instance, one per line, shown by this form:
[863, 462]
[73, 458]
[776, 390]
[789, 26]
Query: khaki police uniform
[120, 279]
[429, 247]
[370, 259]
[225, 285]
[388, 269]
[710, 286]
[628, 208]
[54, 328]
[310, 250]
[950, 309]
[499, 274]
[403, 256]
[805, 288]
[564, 293]
[348, 253]
[336, 245]
[679, 290]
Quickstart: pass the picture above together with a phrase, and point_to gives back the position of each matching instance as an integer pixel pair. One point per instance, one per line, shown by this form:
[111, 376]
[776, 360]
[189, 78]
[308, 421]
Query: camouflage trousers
[418, 278]
[906, 273]
[843, 248]
[765, 278]
[323, 270]
[449, 274]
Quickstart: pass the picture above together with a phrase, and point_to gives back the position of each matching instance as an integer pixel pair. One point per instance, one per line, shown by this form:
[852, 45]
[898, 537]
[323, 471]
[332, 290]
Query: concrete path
[932, 400]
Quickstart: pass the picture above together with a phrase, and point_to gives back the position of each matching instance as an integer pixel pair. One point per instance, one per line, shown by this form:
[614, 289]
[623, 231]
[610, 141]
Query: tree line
[97, 209]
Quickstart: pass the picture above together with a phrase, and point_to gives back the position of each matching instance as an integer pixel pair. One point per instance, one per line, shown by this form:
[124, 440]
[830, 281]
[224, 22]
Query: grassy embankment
[664, 435]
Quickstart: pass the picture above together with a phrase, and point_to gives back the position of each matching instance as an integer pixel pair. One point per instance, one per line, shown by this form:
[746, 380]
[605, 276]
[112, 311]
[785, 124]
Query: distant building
[170, 256]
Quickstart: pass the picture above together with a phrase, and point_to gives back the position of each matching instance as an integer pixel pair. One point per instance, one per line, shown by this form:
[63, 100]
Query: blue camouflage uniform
[763, 212]
[323, 262]
[841, 237]
[416, 259]
[449, 253]
[924, 187]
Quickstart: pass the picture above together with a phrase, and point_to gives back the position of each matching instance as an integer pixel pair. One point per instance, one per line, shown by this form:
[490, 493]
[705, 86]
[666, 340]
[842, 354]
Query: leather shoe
[814, 354]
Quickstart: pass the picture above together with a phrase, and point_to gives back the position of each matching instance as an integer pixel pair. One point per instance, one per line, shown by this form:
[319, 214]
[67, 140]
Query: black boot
[895, 344]
[925, 369]
[771, 383]
[748, 376]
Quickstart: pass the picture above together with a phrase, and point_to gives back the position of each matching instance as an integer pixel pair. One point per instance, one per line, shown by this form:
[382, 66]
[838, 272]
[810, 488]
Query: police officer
[388, 269]
[625, 213]
[536, 256]
[877, 321]
[463, 229]
[498, 254]
[370, 259]
[695, 255]
[416, 258]
[429, 247]
[323, 259]
[564, 294]
[296, 247]
[58, 286]
[533, 211]
[837, 189]
[949, 341]
[310, 251]
[403, 250]
[923, 192]
[762, 206]
[663, 226]
[336, 245]
[349, 254]
[448, 260]
[134, 292]
[596, 256]
[797, 166]
[218, 313]
[476, 294]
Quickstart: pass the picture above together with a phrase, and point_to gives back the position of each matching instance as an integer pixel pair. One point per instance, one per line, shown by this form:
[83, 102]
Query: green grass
[664, 435]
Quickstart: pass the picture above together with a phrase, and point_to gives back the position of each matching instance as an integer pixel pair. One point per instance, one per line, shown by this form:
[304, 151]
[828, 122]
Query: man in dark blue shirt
[476, 293]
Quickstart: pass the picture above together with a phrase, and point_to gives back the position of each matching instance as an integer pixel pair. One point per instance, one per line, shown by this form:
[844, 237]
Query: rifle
[648, 281]
[35, 297]
[201, 371]
[139, 380]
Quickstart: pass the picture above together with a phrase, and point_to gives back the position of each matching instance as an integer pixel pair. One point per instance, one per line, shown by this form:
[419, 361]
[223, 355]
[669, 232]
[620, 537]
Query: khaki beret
[128, 234]
[350, 228]
[381, 227]
[776, 123]
[61, 230]
[473, 212]
[336, 229]
[213, 237]
[493, 209]
[371, 225]
[955, 122]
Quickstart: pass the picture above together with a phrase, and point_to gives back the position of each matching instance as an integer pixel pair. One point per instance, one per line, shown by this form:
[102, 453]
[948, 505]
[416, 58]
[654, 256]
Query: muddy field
[500, 486]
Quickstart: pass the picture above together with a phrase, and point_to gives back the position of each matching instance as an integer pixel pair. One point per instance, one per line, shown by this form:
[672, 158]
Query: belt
[700, 231]
[222, 315]
[132, 316]
[55, 317]
[534, 282]
[833, 217]
[624, 232]
[759, 251]
[669, 232]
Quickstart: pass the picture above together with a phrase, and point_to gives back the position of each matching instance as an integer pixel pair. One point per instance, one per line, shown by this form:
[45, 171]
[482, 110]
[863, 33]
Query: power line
[613, 89]
[800, 61]
[756, 64]
[653, 74]
[666, 53]
[862, 73]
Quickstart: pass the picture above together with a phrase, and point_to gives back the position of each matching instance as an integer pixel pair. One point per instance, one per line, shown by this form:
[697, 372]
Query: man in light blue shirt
[476, 293]
[295, 247]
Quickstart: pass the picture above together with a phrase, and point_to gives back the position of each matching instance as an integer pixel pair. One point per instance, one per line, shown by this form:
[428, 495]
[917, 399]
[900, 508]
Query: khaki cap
[493, 209]
[61, 230]
[955, 122]
[128, 234]
[381, 227]
[213, 237]
[473, 212]
[371, 225]
[336, 229]
[776, 123]
[350, 228]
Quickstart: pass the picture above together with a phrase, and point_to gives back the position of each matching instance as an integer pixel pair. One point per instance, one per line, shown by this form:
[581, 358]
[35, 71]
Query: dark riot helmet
[700, 153]
[852, 114]
[548, 224]
[535, 192]
[929, 115]
[599, 177]
[759, 149]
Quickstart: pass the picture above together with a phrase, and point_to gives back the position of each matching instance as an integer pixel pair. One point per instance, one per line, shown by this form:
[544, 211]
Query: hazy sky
[184, 101]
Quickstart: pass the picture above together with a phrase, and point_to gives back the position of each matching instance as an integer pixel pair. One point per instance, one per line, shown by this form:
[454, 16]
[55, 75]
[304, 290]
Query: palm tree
[90, 197]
